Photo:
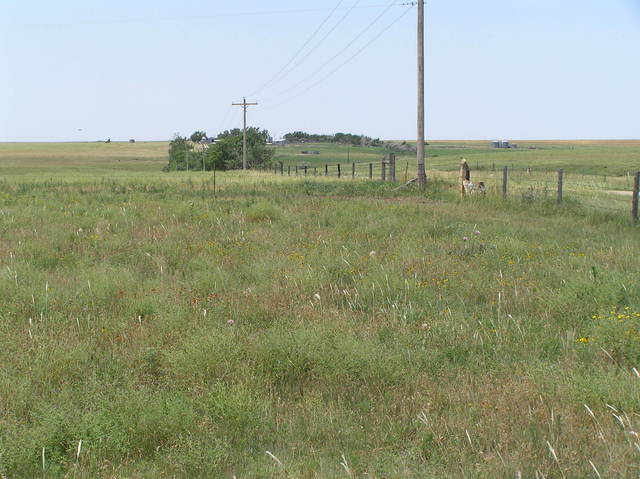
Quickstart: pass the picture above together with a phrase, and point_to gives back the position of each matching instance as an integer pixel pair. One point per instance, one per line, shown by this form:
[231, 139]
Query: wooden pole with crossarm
[244, 106]
[422, 176]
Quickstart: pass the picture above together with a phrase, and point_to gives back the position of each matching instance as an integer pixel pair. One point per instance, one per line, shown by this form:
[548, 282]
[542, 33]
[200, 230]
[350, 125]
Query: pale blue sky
[145, 69]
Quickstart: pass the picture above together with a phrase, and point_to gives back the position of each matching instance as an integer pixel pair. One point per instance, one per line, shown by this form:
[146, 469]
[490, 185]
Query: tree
[198, 136]
[342, 138]
[225, 154]
[178, 149]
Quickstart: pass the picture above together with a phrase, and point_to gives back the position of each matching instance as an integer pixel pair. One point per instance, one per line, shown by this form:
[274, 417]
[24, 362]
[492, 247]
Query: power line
[340, 52]
[339, 67]
[329, 32]
[300, 50]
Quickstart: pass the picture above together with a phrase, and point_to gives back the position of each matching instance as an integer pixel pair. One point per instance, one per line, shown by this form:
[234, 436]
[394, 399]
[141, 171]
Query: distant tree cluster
[224, 154]
[342, 138]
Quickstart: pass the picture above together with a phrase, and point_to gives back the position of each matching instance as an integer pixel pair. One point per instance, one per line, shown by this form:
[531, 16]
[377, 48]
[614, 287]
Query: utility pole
[244, 106]
[422, 175]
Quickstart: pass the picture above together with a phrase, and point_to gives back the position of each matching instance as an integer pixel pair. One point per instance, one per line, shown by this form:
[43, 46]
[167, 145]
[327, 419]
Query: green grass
[344, 327]
[611, 158]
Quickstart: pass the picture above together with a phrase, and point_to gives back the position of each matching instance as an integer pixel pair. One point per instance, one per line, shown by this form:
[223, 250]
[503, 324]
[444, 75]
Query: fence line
[558, 183]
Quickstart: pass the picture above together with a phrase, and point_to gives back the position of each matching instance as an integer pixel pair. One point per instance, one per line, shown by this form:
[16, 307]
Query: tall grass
[314, 328]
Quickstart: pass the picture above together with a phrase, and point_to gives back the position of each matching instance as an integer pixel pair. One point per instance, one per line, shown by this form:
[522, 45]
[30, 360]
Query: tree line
[342, 138]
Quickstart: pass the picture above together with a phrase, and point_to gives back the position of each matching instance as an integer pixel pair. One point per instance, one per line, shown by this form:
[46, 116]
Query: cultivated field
[288, 327]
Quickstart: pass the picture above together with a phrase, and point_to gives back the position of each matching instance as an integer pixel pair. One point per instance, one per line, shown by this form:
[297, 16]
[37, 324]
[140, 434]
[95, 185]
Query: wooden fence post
[315, 171]
[636, 193]
[296, 170]
[392, 167]
[326, 170]
[383, 171]
[560, 184]
[339, 171]
[353, 170]
[305, 170]
[281, 168]
[371, 171]
[505, 180]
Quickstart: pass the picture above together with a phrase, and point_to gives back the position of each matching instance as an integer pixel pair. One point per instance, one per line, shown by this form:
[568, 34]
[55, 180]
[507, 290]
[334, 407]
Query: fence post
[636, 193]
[339, 171]
[505, 180]
[326, 170]
[371, 171]
[289, 170]
[305, 170]
[383, 171]
[560, 184]
[353, 170]
[281, 168]
[315, 171]
[296, 170]
[392, 167]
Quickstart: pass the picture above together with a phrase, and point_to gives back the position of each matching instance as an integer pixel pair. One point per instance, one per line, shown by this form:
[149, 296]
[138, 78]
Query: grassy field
[313, 328]
[611, 158]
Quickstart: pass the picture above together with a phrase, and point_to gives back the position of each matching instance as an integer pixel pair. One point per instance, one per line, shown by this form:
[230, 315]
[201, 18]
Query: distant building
[502, 144]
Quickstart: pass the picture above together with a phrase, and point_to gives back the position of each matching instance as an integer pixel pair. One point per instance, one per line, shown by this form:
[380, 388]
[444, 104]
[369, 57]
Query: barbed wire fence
[613, 194]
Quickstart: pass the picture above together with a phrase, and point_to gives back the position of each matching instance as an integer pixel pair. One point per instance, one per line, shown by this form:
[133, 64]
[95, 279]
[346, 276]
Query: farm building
[503, 144]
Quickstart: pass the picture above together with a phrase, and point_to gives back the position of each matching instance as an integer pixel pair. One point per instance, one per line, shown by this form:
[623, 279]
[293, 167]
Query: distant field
[613, 158]
[303, 328]
[87, 160]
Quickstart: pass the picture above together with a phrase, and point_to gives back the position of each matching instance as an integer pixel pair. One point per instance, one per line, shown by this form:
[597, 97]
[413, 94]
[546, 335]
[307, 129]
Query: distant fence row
[528, 182]
[385, 170]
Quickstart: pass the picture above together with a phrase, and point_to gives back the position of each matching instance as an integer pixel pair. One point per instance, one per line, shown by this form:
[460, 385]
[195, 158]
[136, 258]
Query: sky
[85, 70]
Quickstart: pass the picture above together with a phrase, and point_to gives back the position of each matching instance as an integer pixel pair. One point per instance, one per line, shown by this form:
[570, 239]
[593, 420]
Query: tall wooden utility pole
[422, 175]
[244, 106]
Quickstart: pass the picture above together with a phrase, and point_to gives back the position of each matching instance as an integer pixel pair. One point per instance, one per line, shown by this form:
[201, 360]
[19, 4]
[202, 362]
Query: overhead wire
[343, 64]
[288, 68]
[326, 35]
[299, 51]
[339, 53]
